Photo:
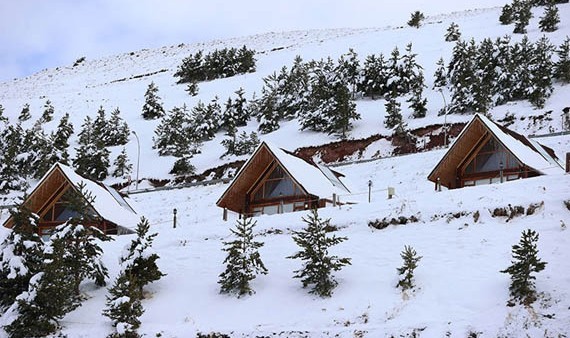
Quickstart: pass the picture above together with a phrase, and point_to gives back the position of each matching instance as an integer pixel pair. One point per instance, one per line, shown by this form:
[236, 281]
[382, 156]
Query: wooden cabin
[485, 153]
[111, 212]
[275, 181]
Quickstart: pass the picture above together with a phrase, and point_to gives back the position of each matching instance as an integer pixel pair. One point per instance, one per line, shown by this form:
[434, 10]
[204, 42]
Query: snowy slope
[460, 290]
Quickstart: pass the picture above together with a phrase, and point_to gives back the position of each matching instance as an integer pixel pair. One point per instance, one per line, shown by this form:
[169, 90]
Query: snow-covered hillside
[460, 291]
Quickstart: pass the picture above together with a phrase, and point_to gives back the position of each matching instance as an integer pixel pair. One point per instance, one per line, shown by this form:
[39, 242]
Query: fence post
[369, 190]
[225, 215]
[334, 200]
[391, 192]
[175, 211]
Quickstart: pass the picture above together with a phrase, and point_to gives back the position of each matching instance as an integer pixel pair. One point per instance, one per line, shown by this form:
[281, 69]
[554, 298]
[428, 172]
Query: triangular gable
[480, 126]
[311, 180]
[60, 178]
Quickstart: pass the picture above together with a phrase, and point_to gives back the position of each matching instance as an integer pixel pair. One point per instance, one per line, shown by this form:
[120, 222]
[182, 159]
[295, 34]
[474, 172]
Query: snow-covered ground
[459, 287]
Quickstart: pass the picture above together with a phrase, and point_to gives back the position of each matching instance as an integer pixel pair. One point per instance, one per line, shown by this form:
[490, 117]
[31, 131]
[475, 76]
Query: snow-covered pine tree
[123, 166]
[562, 66]
[243, 261]
[440, 78]
[175, 135]
[192, 88]
[416, 19]
[453, 33]
[393, 111]
[78, 242]
[541, 73]
[461, 74]
[485, 80]
[152, 108]
[550, 20]
[505, 78]
[119, 131]
[314, 242]
[91, 158]
[61, 139]
[138, 260]
[395, 71]
[11, 175]
[183, 166]
[418, 103]
[101, 127]
[348, 68]
[192, 69]
[3, 119]
[240, 107]
[522, 60]
[241, 144]
[410, 263]
[374, 77]
[506, 17]
[20, 255]
[41, 154]
[123, 307]
[525, 262]
[205, 120]
[521, 15]
[245, 60]
[411, 77]
[25, 113]
[47, 115]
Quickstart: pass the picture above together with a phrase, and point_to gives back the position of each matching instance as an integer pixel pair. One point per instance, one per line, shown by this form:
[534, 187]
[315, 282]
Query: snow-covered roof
[314, 180]
[108, 203]
[532, 154]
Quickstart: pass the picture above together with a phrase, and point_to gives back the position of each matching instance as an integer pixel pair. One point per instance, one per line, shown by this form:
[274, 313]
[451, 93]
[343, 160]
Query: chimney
[568, 162]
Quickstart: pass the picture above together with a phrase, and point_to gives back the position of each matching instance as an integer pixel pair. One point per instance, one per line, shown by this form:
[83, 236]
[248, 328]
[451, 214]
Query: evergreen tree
[416, 19]
[562, 66]
[410, 263]
[152, 108]
[375, 74]
[521, 15]
[453, 33]
[176, 135]
[484, 83]
[47, 115]
[462, 69]
[506, 17]
[241, 144]
[205, 120]
[411, 76]
[243, 261]
[318, 265]
[78, 242]
[418, 103]
[123, 166]
[525, 262]
[440, 80]
[61, 139]
[242, 114]
[393, 112]
[192, 88]
[541, 73]
[550, 20]
[349, 70]
[3, 119]
[11, 175]
[182, 166]
[25, 113]
[123, 307]
[92, 158]
[139, 260]
[118, 130]
[395, 71]
[20, 255]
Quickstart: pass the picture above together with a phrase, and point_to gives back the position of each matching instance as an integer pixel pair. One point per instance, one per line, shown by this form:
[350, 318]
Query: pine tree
[393, 112]
[183, 166]
[453, 33]
[192, 88]
[123, 166]
[440, 80]
[118, 130]
[3, 119]
[152, 108]
[349, 70]
[25, 113]
[241, 144]
[411, 76]
[175, 135]
[91, 158]
[525, 262]
[11, 175]
[416, 19]
[485, 81]
[550, 20]
[318, 265]
[47, 115]
[101, 127]
[139, 260]
[506, 17]
[61, 139]
[562, 66]
[123, 307]
[243, 261]
[78, 242]
[20, 255]
[410, 263]
[521, 15]
[540, 71]
[374, 79]
[418, 103]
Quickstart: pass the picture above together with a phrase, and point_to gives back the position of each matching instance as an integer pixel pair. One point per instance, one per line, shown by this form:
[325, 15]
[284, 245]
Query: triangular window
[492, 156]
[276, 184]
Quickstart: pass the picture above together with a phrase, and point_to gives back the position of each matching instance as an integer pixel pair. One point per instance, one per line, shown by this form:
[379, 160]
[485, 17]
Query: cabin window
[490, 158]
[277, 184]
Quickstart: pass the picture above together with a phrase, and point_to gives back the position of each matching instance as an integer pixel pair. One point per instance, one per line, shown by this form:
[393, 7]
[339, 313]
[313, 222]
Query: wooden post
[391, 192]
[438, 184]
[568, 162]
[334, 200]
[225, 216]
[369, 190]
[175, 211]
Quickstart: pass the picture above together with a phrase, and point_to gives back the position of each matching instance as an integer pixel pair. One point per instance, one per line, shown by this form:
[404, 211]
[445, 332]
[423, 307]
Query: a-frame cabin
[111, 212]
[276, 181]
[485, 152]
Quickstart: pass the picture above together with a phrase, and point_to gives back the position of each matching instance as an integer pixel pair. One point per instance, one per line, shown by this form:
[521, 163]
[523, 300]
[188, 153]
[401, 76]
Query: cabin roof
[108, 203]
[527, 151]
[314, 179]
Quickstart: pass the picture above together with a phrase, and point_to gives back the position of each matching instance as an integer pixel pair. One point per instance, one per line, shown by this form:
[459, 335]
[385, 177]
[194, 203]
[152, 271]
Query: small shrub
[567, 204]
[411, 259]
